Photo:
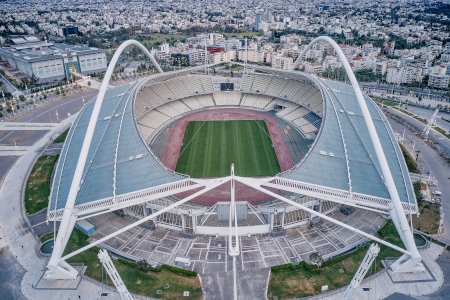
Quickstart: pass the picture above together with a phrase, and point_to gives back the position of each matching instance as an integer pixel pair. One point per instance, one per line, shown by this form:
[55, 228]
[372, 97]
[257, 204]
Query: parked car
[433, 184]
[437, 193]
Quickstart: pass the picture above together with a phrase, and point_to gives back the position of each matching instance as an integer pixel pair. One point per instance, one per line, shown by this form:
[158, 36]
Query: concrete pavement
[14, 272]
[26, 126]
[429, 160]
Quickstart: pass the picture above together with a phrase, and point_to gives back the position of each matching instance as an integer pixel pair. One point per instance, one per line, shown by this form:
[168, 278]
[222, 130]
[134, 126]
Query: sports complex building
[272, 166]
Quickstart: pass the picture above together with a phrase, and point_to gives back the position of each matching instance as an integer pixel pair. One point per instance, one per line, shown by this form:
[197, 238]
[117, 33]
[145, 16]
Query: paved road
[429, 160]
[444, 143]
[46, 112]
[21, 137]
[53, 149]
[405, 90]
[427, 113]
[6, 162]
[11, 274]
[37, 221]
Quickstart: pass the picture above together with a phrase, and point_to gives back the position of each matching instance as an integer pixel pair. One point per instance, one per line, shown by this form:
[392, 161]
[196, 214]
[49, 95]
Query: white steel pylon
[361, 273]
[112, 272]
[427, 128]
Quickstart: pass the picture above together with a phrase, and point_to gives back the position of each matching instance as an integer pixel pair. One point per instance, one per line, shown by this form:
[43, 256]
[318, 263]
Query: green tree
[10, 109]
[316, 259]
[143, 266]
[89, 83]
[22, 98]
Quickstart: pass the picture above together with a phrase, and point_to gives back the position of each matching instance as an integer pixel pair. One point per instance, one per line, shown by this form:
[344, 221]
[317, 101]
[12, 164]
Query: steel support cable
[118, 140]
[345, 146]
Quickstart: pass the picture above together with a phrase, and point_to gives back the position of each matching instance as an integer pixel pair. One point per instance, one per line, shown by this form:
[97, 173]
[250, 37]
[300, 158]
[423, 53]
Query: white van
[437, 193]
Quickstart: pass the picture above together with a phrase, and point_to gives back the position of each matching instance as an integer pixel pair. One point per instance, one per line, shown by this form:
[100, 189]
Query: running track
[222, 193]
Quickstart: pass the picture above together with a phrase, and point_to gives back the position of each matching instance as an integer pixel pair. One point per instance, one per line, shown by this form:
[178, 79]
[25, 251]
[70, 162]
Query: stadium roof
[343, 138]
[341, 154]
[137, 169]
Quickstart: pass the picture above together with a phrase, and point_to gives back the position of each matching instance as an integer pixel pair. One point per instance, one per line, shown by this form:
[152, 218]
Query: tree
[22, 98]
[1, 115]
[89, 83]
[45, 96]
[316, 259]
[143, 266]
[58, 92]
[10, 109]
[34, 79]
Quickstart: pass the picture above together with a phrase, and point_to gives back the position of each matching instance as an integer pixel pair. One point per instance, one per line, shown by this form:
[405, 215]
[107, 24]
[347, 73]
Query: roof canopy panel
[344, 140]
[136, 168]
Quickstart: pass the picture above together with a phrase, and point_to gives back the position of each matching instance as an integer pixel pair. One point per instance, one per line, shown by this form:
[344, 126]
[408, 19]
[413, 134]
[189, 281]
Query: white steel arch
[406, 262]
[62, 270]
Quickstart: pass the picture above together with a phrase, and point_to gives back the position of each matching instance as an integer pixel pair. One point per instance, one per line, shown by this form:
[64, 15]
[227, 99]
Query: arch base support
[408, 264]
[62, 271]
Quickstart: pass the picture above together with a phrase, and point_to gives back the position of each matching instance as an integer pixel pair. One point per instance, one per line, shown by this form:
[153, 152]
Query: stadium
[272, 166]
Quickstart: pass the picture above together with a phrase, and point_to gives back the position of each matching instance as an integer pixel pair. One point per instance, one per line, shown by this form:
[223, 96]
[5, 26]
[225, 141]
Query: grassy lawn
[215, 144]
[385, 102]
[150, 281]
[38, 185]
[410, 163]
[443, 132]
[237, 68]
[62, 137]
[289, 284]
[47, 237]
[424, 121]
[428, 221]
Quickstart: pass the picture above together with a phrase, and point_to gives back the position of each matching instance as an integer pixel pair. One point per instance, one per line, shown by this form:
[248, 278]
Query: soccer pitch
[209, 148]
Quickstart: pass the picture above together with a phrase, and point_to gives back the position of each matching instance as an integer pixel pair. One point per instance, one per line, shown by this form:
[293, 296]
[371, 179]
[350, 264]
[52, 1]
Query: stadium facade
[108, 162]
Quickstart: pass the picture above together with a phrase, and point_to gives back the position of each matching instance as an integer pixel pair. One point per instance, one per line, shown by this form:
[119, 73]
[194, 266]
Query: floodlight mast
[406, 262]
[62, 270]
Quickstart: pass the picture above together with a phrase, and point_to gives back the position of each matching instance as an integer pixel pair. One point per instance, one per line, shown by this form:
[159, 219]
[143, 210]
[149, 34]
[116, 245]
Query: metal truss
[114, 275]
[341, 196]
[213, 183]
[129, 199]
[254, 184]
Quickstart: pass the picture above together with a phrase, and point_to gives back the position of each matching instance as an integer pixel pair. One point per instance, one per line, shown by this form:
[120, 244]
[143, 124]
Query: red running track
[176, 139]
[222, 193]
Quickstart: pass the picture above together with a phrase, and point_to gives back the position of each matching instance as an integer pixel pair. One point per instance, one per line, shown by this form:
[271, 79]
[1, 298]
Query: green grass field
[150, 281]
[37, 189]
[215, 144]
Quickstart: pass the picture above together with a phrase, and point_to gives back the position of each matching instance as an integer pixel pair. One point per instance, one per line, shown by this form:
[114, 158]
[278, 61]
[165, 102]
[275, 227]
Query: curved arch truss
[59, 269]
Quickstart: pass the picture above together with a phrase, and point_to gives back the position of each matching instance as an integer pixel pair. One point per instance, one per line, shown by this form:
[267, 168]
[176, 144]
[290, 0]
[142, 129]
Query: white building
[394, 75]
[281, 62]
[438, 81]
